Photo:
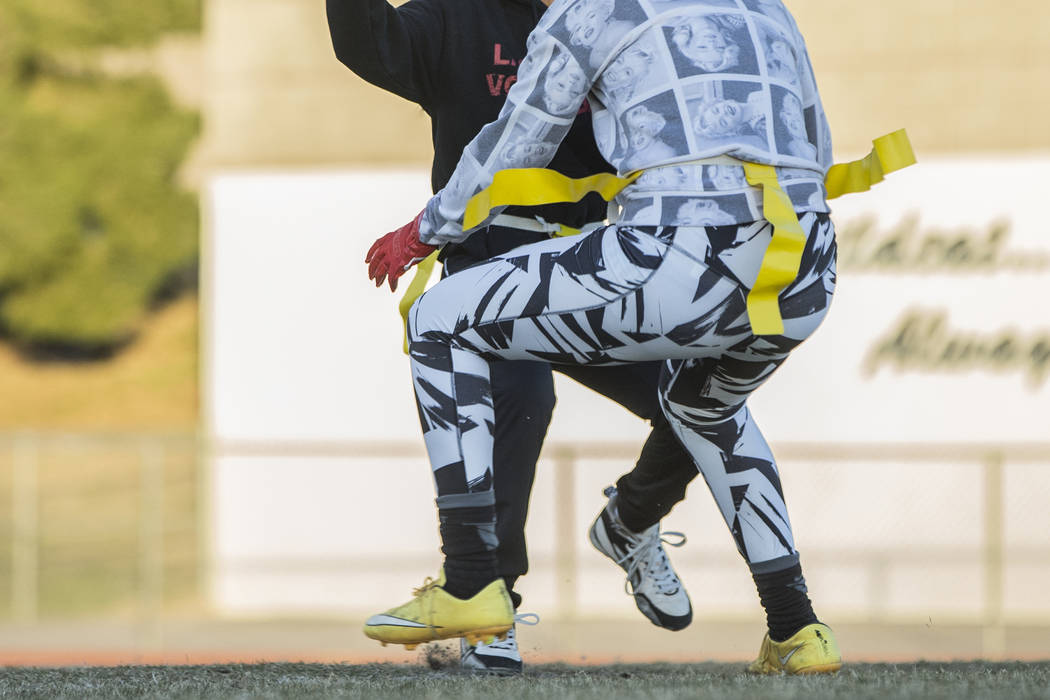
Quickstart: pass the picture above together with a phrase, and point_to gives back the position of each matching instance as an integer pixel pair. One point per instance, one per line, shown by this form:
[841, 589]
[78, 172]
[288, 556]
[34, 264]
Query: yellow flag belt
[780, 264]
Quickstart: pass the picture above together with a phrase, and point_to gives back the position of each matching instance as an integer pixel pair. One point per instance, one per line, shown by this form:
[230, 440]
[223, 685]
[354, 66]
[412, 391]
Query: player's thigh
[711, 390]
[561, 275]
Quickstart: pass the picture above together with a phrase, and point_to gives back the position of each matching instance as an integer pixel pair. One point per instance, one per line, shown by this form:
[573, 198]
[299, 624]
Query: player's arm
[525, 135]
[532, 116]
[810, 98]
[392, 48]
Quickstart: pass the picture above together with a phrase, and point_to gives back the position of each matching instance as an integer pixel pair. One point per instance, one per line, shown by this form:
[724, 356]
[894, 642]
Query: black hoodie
[457, 59]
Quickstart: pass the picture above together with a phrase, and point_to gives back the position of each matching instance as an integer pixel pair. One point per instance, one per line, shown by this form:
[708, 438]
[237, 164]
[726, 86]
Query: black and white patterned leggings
[625, 294]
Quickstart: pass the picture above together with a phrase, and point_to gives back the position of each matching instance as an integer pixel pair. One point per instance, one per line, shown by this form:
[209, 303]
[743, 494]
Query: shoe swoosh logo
[787, 657]
[391, 621]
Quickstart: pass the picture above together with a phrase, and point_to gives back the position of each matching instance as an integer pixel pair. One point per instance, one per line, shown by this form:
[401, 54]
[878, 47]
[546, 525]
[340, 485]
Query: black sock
[515, 597]
[633, 519]
[468, 536]
[783, 595]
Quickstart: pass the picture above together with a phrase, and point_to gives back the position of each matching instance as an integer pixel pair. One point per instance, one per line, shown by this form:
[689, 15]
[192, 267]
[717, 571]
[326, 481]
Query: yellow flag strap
[539, 186]
[415, 289]
[783, 256]
[533, 187]
[892, 152]
[565, 231]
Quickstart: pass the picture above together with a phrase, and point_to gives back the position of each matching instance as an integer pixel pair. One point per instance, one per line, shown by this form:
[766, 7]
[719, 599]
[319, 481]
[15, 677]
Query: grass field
[439, 678]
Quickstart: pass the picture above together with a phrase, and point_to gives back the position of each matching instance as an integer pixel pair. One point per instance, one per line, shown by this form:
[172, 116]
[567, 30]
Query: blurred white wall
[301, 350]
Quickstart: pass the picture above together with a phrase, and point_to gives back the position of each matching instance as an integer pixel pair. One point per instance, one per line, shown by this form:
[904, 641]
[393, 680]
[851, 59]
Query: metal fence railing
[98, 523]
[102, 523]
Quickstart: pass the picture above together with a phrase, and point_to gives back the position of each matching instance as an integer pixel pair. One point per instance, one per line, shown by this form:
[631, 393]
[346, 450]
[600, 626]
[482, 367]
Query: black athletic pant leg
[664, 469]
[523, 394]
[523, 398]
[523, 402]
[658, 481]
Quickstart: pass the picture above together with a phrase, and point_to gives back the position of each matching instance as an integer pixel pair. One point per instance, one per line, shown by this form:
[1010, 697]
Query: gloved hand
[393, 254]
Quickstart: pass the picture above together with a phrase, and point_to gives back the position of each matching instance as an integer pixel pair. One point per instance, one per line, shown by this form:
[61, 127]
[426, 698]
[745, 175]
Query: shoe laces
[528, 619]
[645, 555]
[428, 583]
[509, 642]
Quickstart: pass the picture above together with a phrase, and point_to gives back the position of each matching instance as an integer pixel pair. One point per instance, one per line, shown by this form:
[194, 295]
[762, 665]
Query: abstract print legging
[625, 294]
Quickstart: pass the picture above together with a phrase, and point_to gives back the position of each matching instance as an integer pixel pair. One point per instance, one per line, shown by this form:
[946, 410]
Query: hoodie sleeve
[552, 85]
[392, 48]
[821, 138]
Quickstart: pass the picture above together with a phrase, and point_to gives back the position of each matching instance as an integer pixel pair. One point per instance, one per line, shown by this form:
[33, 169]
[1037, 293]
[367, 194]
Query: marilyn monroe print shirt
[670, 83]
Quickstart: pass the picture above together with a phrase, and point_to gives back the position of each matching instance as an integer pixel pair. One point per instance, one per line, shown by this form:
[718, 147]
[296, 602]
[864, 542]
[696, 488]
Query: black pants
[523, 396]
[524, 400]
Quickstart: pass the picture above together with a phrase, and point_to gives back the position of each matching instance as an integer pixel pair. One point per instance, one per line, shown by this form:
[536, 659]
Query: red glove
[393, 254]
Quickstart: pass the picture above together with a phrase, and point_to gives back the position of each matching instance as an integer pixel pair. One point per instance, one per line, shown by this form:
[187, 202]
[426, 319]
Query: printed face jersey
[670, 83]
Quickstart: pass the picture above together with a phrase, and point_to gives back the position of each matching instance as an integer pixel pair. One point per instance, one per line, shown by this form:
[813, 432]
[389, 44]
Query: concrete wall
[961, 75]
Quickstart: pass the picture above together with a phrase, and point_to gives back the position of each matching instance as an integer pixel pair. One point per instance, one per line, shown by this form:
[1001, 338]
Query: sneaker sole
[641, 602]
[668, 622]
[488, 635]
[601, 547]
[476, 665]
[501, 672]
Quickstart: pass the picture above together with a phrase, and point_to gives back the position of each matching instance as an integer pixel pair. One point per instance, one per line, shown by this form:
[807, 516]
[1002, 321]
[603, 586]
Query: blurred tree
[92, 223]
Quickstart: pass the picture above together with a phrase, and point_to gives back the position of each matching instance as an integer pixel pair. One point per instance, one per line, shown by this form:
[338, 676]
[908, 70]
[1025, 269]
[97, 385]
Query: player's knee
[523, 391]
[543, 406]
[703, 412]
[540, 397]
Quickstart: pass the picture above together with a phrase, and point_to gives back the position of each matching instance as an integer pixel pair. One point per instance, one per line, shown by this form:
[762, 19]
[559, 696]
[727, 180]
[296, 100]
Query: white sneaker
[500, 658]
[657, 592]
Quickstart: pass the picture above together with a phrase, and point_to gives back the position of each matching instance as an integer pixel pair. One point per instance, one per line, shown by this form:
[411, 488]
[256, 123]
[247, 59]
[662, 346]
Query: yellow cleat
[812, 649]
[436, 614]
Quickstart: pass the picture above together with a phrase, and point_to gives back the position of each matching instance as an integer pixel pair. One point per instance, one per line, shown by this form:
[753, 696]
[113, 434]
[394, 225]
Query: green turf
[439, 680]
